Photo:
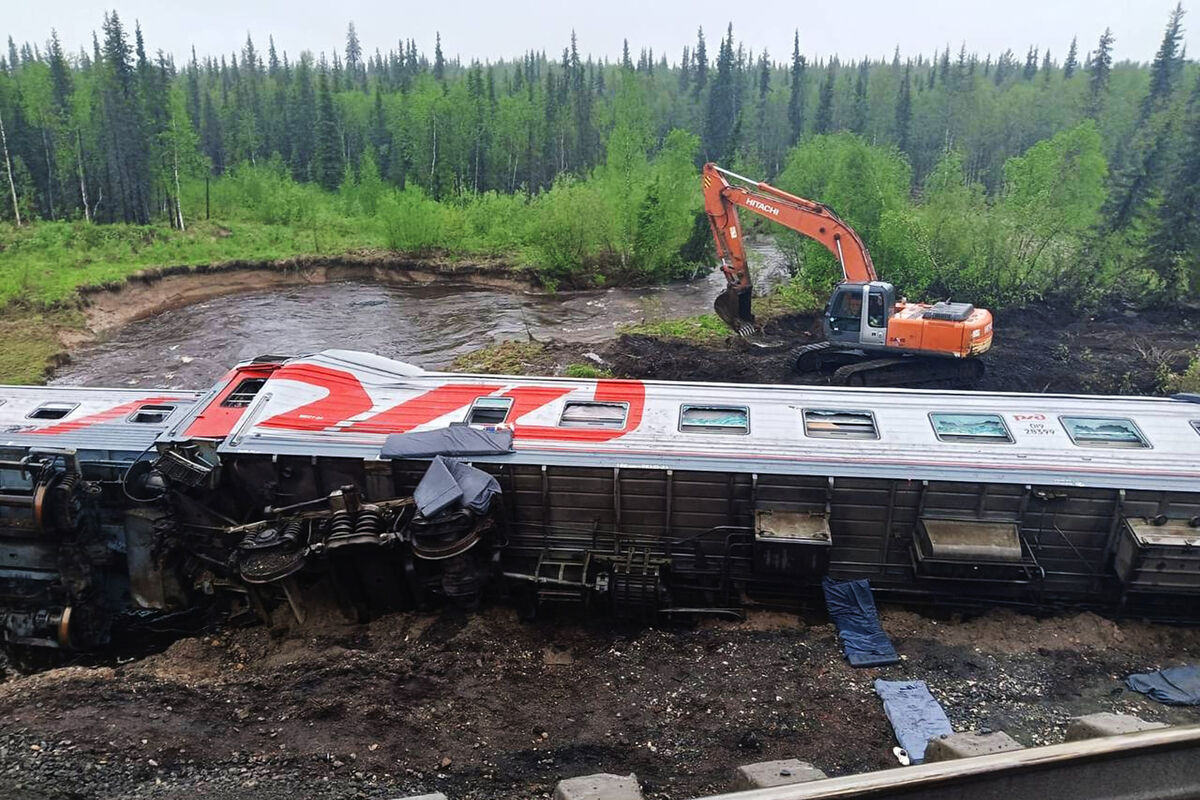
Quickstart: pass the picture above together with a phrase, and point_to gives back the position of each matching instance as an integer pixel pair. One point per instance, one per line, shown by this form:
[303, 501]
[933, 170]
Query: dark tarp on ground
[852, 608]
[915, 716]
[453, 440]
[448, 483]
[1175, 686]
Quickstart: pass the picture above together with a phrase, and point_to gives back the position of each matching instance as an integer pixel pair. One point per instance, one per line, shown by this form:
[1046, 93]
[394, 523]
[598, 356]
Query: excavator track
[912, 372]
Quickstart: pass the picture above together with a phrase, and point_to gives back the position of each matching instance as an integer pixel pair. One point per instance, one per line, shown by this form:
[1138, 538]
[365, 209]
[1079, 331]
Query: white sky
[492, 29]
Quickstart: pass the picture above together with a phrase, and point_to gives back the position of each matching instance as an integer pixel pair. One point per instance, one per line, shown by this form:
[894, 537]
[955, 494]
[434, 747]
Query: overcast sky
[488, 29]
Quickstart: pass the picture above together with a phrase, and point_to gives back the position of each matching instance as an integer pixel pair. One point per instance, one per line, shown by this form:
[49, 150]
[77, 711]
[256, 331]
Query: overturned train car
[401, 488]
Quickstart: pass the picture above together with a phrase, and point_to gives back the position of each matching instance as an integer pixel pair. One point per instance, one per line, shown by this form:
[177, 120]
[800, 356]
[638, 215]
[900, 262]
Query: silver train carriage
[401, 488]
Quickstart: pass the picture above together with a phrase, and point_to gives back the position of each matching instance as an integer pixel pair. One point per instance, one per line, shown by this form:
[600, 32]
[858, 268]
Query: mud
[1037, 349]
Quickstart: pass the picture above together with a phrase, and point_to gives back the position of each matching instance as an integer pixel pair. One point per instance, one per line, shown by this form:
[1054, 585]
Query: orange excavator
[871, 338]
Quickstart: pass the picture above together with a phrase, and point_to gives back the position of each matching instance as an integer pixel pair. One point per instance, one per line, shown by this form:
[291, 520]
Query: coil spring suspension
[369, 521]
[341, 524]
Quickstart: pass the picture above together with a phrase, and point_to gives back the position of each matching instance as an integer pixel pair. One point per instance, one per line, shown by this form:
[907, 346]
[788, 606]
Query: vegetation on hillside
[994, 178]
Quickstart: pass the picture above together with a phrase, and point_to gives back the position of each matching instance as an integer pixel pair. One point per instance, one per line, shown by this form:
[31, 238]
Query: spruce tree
[904, 110]
[823, 123]
[1098, 77]
[1173, 249]
[861, 111]
[439, 60]
[1166, 67]
[700, 58]
[328, 163]
[721, 113]
[796, 91]
[1072, 62]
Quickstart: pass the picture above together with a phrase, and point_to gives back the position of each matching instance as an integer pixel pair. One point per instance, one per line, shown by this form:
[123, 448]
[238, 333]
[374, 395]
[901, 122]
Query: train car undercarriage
[86, 540]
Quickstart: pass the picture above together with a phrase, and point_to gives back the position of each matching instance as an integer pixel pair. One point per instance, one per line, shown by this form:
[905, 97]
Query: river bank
[40, 338]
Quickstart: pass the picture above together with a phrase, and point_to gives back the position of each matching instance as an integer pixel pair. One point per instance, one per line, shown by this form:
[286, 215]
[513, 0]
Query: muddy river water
[425, 325]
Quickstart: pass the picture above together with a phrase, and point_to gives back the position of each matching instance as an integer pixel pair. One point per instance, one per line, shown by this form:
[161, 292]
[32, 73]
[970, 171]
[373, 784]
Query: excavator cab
[858, 313]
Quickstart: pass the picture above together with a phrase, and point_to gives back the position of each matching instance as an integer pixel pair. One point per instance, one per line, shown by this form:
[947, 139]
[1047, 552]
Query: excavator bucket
[733, 307]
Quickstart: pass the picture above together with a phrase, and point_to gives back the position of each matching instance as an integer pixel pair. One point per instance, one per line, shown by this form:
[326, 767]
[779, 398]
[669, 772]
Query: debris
[915, 716]
[1174, 686]
[852, 607]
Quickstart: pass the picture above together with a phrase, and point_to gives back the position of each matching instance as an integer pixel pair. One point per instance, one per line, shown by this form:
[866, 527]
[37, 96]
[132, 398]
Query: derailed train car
[398, 488]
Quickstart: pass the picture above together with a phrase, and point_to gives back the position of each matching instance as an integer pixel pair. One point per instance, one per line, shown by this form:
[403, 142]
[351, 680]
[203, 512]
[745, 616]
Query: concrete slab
[966, 745]
[784, 772]
[603, 786]
[1092, 726]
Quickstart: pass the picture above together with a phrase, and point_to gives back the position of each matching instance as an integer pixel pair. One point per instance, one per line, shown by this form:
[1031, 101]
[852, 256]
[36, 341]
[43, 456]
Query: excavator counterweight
[871, 337]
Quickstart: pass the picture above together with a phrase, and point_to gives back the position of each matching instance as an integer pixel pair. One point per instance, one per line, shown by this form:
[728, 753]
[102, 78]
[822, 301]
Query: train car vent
[583, 414]
[837, 424]
[489, 410]
[243, 393]
[714, 419]
[970, 428]
[151, 415]
[52, 410]
[1103, 432]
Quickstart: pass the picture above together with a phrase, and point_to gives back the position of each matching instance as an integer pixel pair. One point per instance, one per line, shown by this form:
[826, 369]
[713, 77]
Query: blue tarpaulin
[1175, 686]
[915, 716]
[852, 608]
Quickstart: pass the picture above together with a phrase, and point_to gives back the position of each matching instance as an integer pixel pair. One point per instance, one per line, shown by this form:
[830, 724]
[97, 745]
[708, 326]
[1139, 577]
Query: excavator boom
[721, 202]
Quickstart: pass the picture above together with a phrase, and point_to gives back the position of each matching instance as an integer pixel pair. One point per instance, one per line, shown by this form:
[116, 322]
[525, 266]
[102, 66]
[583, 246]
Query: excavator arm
[721, 202]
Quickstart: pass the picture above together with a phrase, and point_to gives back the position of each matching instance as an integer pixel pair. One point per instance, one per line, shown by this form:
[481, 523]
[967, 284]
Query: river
[426, 325]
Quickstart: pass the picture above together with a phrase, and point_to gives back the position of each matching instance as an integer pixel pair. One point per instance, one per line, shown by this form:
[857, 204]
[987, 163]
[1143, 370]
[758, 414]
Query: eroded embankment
[154, 291]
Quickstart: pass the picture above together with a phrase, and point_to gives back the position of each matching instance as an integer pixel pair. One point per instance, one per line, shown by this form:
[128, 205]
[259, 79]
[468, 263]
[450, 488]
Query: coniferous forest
[1052, 172]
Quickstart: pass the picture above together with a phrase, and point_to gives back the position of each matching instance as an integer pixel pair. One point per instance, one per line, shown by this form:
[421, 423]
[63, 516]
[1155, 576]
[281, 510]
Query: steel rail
[1160, 764]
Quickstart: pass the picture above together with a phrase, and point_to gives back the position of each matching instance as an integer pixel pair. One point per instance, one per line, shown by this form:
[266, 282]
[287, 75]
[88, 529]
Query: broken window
[1103, 432]
[970, 428]
[151, 414]
[245, 391]
[837, 424]
[489, 410]
[714, 419]
[583, 414]
[52, 410]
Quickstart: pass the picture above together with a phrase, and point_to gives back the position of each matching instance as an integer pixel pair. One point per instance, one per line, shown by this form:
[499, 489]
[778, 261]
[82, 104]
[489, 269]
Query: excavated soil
[485, 706]
[1036, 349]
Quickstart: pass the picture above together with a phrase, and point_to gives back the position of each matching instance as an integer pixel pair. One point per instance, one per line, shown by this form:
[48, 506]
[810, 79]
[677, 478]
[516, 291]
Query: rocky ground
[484, 706]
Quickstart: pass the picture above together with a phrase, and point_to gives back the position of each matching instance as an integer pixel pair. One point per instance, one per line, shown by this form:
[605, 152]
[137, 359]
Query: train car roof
[115, 420]
[345, 403]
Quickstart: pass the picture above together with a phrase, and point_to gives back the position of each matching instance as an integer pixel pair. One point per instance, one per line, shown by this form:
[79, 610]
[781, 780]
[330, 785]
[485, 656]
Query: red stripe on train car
[107, 415]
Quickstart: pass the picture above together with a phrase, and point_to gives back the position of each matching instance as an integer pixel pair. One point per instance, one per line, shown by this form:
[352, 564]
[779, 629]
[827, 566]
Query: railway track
[1156, 764]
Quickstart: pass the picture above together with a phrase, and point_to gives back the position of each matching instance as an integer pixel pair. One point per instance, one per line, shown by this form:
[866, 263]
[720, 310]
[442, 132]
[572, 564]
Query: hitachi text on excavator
[871, 337]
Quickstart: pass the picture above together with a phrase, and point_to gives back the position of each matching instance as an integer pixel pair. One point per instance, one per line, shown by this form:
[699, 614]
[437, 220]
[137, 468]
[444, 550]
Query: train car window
[245, 391]
[970, 428]
[1103, 432]
[489, 410]
[838, 424]
[52, 410]
[585, 414]
[1195, 422]
[714, 419]
[151, 414]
